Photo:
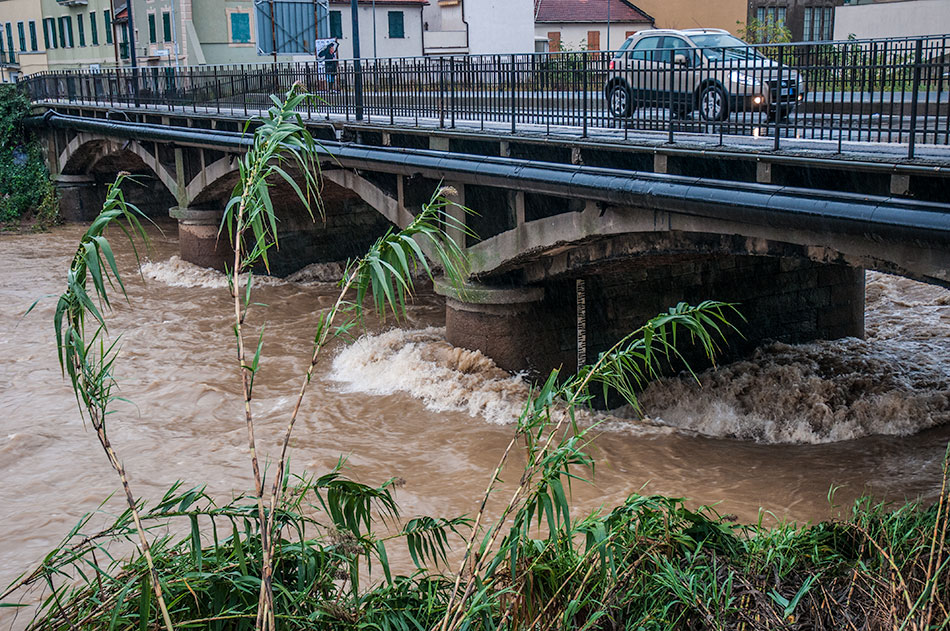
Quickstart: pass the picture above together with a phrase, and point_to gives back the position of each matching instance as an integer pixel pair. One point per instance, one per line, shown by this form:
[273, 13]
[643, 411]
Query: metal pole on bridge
[357, 68]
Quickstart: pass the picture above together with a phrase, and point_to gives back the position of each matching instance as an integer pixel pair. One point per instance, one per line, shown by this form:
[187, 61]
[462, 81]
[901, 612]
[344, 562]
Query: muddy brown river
[773, 432]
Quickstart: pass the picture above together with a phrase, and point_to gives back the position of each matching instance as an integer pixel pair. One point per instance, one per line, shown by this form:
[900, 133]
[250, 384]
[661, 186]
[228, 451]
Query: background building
[680, 14]
[892, 18]
[478, 27]
[808, 20]
[582, 25]
[398, 28]
[22, 49]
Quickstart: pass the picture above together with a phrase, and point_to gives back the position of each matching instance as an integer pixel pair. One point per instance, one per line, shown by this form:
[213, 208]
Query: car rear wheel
[713, 105]
[619, 102]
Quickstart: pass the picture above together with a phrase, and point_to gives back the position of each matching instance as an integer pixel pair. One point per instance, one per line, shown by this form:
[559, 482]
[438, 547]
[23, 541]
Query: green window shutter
[62, 32]
[21, 32]
[167, 26]
[336, 24]
[69, 31]
[109, 34]
[152, 31]
[93, 28]
[241, 28]
[46, 39]
[10, 41]
[33, 43]
[82, 30]
[397, 28]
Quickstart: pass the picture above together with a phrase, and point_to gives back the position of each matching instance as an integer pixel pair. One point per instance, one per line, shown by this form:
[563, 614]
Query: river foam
[422, 364]
[897, 382]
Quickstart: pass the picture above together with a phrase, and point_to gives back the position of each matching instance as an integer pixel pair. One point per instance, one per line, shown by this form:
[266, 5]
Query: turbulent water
[775, 431]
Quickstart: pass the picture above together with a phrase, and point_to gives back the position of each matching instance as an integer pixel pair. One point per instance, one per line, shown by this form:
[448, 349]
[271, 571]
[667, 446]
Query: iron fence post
[441, 92]
[778, 101]
[584, 86]
[918, 60]
[672, 96]
[511, 93]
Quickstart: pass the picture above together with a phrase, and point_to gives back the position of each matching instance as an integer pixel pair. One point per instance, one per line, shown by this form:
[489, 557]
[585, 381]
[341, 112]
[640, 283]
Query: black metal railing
[862, 91]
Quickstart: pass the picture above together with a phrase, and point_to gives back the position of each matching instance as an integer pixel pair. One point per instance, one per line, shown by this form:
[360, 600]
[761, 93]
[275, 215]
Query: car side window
[645, 50]
[678, 46]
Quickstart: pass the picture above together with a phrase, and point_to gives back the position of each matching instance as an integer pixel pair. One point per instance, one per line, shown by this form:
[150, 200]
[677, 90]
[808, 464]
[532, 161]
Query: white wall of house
[500, 26]
[574, 36]
[408, 46]
[893, 19]
[445, 30]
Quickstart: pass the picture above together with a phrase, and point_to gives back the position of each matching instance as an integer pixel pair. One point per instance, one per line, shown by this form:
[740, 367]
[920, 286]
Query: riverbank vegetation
[26, 192]
[313, 552]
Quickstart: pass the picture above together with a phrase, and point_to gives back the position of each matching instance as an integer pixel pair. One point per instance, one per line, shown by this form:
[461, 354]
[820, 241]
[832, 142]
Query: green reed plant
[385, 273]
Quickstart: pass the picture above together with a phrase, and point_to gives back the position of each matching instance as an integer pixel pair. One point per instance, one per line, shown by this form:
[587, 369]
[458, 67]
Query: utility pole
[175, 32]
[131, 29]
[608, 24]
[273, 29]
[130, 25]
[357, 68]
[316, 29]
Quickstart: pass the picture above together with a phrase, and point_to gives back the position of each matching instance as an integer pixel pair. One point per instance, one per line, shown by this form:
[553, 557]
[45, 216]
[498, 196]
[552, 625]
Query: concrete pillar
[501, 322]
[198, 240]
[79, 198]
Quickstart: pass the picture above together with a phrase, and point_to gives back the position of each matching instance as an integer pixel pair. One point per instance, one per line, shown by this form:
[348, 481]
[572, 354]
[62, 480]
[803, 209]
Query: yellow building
[22, 49]
[681, 14]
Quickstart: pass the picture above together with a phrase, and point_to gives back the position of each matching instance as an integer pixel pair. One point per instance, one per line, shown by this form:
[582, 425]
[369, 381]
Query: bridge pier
[535, 328]
[198, 240]
[79, 197]
[501, 322]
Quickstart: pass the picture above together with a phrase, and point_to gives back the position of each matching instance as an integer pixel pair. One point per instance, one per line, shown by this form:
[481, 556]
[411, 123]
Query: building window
[33, 43]
[819, 23]
[108, 16]
[93, 28]
[21, 32]
[593, 40]
[66, 32]
[336, 24]
[152, 30]
[10, 42]
[240, 27]
[80, 24]
[397, 29]
[554, 41]
[167, 26]
[49, 34]
[776, 15]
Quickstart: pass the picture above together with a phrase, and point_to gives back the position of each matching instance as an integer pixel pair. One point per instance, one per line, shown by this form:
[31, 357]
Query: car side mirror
[680, 59]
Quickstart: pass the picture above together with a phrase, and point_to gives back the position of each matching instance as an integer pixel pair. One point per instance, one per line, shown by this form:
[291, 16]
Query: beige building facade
[680, 14]
[22, 49]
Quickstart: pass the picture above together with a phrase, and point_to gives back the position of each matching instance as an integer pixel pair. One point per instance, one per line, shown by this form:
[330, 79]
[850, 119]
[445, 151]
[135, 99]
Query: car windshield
[718, 46]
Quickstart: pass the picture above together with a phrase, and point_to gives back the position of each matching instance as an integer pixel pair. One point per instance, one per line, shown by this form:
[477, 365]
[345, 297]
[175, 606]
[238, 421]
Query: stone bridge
[635, 228]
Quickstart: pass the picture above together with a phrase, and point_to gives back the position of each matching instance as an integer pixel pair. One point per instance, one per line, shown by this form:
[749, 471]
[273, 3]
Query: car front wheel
[713, 105]
[618, 101]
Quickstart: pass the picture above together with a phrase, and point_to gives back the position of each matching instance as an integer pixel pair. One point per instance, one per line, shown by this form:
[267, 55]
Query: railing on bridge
[864, 91]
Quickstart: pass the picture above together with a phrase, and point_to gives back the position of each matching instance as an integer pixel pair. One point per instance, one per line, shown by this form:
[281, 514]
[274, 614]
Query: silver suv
[698, 69]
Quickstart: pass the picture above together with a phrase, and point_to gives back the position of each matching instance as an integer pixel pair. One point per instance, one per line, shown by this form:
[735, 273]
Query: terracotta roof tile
[588, 11]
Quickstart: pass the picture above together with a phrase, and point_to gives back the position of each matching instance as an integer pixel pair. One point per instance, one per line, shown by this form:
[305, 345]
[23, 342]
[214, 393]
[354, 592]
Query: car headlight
[743, 79]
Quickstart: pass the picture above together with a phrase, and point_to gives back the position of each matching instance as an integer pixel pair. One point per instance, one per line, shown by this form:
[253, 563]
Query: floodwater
[774, 432]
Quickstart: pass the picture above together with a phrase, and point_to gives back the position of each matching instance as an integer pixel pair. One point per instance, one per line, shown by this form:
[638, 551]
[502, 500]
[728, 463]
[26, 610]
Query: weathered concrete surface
[198, 239]
[782, 298]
